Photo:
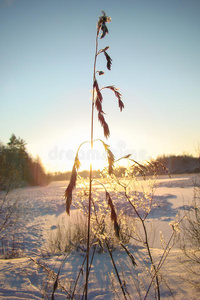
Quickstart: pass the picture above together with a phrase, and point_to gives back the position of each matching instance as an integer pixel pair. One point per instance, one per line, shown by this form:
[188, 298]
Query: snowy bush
[190, 238]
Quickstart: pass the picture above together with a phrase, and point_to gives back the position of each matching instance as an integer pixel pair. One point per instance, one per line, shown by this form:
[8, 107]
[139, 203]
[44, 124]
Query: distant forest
[175, 164]
[18, 168]
[179, 164]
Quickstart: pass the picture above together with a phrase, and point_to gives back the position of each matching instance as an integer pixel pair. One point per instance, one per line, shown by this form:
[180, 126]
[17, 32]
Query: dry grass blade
[121, 104]
[99, 98]
[56, 281]
[164, 168]
[113, 214]
[103, 123]
[136, 170]
[98, 104]
[109, 60]
[126, 156]
[99, 95]
[110, 157]
[117, 94]
[116, 228]
[129, 254]
[69, 189]
[123, 157]
[139, 167]
[104, 30]
[111, 160]
[68, 202]
[77, 162]
[72, 183]
[155, 167]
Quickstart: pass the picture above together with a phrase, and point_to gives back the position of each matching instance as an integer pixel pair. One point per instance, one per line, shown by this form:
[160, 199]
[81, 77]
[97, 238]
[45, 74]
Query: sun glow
[96, 156]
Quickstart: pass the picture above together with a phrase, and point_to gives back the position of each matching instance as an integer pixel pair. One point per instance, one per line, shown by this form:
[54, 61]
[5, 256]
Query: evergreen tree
[17, 168]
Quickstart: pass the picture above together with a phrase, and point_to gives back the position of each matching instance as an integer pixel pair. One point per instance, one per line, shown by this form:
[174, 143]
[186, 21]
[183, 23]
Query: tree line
[59, 176]
[18, 168]
[179, 164]
[175, 164]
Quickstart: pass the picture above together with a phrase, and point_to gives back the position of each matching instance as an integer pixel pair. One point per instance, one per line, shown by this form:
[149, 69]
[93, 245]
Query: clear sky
[46, 64]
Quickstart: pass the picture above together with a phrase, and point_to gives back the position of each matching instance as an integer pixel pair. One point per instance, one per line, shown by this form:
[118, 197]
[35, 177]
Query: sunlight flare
[95, 157]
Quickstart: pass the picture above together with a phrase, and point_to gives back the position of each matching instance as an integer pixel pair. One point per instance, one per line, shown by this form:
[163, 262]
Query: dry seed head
[102, 24]
[109, 60]
[104, 18]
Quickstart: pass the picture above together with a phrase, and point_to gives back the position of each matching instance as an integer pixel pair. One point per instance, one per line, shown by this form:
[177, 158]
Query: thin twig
[115, 267]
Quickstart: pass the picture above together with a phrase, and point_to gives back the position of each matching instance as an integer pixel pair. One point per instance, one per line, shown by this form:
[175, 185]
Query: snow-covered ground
[30, 277]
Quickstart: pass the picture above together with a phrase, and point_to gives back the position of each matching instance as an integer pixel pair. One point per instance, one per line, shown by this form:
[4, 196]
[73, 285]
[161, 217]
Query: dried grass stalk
[102, 24]
[110, 157]
[129, 254]
[103, 123]
[113, 214]
[72, 183]
[69, 189]
[99, 95]
[109, 60]
[117, 94]
[98, 105]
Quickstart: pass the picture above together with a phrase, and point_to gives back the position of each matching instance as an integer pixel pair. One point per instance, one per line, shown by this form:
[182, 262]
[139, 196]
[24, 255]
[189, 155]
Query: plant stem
[90, 183]
[90, 268]
[115, 267]
[80, 271]
[151, 259]
[146, 243]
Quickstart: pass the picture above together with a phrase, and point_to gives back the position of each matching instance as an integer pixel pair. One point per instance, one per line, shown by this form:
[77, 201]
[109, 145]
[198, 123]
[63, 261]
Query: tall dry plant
[141, 203]
[97, 103]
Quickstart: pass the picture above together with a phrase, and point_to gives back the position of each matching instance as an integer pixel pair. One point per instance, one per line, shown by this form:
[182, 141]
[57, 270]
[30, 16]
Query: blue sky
[46, 64]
